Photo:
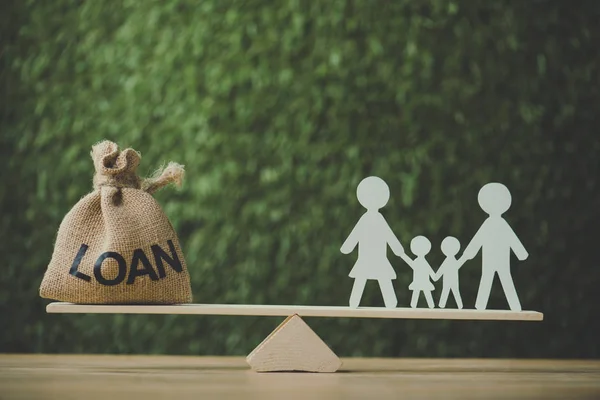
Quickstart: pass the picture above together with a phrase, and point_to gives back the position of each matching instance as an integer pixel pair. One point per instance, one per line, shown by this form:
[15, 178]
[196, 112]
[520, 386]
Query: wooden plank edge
[303, 311]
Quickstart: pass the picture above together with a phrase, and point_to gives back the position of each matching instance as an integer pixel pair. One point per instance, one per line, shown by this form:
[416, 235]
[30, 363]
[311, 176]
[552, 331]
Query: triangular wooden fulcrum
[293, 346]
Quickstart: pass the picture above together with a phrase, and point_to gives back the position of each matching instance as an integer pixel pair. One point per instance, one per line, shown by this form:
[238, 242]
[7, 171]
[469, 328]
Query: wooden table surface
[92, 377]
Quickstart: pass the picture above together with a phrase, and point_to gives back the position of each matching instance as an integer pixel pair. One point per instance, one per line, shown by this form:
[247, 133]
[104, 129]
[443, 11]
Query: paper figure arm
[431, 273]
[352, 240]
[460, 262]
[407, 260]
[475, 245]
[516, 245]
[440, 272]
[393, 241]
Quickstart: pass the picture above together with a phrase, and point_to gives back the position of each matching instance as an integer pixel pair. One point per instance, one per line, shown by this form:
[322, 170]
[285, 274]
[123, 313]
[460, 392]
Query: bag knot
[115, 168]
[118, 169]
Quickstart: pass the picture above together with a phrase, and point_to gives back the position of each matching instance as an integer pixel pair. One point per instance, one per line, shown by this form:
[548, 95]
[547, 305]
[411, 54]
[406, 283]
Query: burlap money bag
[116, 245]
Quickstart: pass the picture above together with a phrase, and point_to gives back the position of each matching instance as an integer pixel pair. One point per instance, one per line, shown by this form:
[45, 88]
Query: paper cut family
[372, 235]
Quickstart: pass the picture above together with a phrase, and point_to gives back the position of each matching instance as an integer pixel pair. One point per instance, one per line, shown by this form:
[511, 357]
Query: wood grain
[303, 311]
[293, 346]
[95, 377]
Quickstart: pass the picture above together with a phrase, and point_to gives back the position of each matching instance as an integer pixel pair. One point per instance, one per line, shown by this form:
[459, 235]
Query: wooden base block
[293, 346]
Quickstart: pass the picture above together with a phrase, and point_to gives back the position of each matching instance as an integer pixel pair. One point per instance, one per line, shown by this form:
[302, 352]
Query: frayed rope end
[172, 173]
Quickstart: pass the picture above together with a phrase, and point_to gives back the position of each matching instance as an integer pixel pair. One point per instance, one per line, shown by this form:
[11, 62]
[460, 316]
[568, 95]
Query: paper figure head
[494, 198]
[450, 246]
[420, 246]
[373, 193]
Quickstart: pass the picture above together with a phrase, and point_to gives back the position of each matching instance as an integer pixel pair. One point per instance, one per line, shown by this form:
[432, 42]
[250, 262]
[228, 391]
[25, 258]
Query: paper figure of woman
[372, 234]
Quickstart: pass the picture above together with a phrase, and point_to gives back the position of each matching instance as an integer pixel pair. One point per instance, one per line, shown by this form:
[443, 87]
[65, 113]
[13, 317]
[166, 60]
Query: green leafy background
[278, 109]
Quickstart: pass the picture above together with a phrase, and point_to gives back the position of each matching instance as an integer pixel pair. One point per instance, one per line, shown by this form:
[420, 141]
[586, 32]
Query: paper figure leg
[444, 297]
[485, 286]
[456, 294]
[415, 298]
[388, 293]
[357, 292]
[509, 290]
[429, 299]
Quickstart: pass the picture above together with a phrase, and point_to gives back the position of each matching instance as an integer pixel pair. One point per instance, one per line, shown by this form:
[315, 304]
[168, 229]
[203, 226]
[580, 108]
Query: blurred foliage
[278, 110]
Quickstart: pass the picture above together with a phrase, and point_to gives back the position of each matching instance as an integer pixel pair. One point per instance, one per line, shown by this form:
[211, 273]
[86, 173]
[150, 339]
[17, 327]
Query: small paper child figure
[372, 234]
[420, 246]
[449, 271]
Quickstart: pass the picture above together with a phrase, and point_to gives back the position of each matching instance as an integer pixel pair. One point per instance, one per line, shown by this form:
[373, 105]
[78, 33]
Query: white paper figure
[420, 246]
[372, 234]
[449, 271]
[496, 239]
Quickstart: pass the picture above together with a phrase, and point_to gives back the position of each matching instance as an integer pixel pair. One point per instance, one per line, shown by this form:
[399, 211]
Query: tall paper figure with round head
[496, 239]
[372, 235]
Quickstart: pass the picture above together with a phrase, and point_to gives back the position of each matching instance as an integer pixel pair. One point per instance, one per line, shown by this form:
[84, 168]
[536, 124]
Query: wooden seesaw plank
[303, 311]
